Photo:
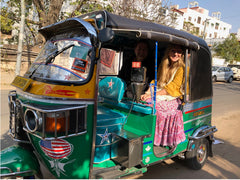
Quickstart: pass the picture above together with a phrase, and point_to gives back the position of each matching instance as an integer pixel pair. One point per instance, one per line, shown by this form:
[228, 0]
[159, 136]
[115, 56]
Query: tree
[229, 49]
[157, 11]
[40, 13]
[6, 21]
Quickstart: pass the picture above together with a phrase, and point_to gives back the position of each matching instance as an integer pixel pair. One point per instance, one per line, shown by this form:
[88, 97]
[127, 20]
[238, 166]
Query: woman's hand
[145, 96]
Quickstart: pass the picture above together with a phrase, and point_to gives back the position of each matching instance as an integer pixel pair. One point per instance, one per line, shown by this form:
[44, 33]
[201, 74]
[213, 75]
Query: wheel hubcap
[201, 153]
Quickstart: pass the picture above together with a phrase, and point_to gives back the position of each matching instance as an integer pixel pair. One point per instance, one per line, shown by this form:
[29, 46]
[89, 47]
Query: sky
[230, 10]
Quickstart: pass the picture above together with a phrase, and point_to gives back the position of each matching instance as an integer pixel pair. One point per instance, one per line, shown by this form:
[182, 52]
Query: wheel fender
[202, 132]
[18, 161]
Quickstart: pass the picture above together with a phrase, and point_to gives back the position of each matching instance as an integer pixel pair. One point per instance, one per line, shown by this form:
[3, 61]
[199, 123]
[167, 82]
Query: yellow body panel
[85, 91]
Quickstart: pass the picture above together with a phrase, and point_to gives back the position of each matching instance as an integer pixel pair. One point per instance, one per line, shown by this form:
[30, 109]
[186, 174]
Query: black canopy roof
[123, 25]
[145, 29]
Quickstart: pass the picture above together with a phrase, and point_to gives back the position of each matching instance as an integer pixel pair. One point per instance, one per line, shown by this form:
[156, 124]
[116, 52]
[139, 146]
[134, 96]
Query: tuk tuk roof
[123, 25]
[147, 30]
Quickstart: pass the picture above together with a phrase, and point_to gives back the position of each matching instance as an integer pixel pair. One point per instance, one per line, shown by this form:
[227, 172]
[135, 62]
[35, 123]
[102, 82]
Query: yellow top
[174, 87]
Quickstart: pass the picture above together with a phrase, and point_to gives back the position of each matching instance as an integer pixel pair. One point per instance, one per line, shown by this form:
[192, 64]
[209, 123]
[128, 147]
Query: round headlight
[32, 120]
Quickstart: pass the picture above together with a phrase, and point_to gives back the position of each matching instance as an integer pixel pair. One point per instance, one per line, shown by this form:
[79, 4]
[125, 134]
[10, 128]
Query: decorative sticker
[147, 159]
[50, 90]
[107, 57]
[148, 148]
[136, 64]
[110, 84]
[79, 65]
[105, 136]
[57, 148]
[79, 52]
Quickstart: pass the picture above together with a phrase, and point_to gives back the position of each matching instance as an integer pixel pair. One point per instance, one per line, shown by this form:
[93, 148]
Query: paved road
[226, 161]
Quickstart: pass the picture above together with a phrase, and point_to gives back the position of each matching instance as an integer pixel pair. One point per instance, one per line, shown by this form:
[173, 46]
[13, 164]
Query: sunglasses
[179, 51]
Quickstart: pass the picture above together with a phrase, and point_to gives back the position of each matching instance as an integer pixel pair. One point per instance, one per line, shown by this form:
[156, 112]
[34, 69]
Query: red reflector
[136, 64]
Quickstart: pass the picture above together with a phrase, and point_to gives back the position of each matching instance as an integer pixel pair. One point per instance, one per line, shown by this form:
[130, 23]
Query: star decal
[87, 91]
[105, 136]
[147, 160]
[67, 77]
[110, 84]
[148, 148]
[58, 167]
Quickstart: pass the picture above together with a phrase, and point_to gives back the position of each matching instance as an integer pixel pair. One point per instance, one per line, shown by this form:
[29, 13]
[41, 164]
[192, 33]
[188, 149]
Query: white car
[236, 70]
[222, 74]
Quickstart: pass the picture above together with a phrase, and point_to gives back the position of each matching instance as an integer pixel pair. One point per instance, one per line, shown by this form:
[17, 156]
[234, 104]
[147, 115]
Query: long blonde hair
[167, 68]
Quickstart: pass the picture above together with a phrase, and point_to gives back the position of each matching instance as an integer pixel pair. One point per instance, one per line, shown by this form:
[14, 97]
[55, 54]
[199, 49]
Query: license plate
[21, 82]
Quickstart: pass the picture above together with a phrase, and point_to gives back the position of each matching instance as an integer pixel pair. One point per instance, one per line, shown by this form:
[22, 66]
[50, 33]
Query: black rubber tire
[230, 79]
[214, 79]
[198, 156]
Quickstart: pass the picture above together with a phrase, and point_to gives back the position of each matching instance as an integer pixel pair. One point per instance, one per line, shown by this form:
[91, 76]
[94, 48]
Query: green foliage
[46, 12]
[229, 49]
[6, 21]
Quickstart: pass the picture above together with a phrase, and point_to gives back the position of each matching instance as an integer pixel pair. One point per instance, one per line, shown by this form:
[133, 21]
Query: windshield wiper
[51, 57]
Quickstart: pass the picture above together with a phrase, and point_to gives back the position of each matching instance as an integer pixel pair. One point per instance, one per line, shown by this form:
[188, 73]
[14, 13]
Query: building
[238, 35]
[196, 20]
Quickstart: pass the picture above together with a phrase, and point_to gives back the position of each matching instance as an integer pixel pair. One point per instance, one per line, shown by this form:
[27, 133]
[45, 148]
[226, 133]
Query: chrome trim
[19, 140]
[54, 110]
[13, 173]
[59, 137]
[65, 110]
[205, 131]
[36, 119]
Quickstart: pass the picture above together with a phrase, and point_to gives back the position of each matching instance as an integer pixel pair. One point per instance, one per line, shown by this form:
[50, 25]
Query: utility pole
[20, 39]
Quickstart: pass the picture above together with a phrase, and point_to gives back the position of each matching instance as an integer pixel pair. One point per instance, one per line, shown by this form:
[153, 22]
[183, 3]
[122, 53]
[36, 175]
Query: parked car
[236, 70]
[222, 74]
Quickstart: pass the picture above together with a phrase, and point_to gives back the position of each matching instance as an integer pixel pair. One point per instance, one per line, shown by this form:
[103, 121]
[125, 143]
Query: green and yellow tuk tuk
[69, 113]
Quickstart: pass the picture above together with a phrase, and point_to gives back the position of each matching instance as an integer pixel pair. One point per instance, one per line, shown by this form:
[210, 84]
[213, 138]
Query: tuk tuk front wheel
[197, 157]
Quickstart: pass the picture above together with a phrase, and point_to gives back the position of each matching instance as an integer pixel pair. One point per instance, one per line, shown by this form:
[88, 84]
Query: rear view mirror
[106, 35]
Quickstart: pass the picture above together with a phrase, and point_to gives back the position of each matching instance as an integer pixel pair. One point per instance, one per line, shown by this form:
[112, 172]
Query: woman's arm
[173, 88]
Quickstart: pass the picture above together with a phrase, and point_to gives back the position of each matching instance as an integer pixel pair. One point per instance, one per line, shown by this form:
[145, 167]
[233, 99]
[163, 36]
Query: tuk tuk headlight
[33, 120]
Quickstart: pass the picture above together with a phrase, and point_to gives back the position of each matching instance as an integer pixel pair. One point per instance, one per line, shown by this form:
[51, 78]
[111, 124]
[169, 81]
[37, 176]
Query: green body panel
[19, 159]
[77, 163]
[140, 124]
[199, 115]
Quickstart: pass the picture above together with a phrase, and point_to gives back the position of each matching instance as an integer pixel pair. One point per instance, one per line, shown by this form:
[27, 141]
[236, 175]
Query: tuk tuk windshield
[63, 60]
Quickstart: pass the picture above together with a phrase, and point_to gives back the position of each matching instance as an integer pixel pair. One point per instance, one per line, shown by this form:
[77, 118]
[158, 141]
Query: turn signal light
[58, 120]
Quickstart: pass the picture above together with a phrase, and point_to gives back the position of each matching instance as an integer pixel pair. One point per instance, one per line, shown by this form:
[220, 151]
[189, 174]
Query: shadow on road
[221, 166]
[7, 141]
[235, 86]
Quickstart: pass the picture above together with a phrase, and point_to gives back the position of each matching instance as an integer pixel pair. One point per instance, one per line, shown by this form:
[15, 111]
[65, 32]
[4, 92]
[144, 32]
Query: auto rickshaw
[69, 113]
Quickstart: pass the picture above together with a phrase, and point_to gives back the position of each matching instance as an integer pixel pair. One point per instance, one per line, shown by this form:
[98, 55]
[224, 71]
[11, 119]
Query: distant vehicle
[222, 74]
[236, 70]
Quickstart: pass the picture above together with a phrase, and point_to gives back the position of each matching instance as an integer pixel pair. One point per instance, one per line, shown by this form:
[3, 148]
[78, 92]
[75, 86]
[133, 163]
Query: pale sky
[230, 10]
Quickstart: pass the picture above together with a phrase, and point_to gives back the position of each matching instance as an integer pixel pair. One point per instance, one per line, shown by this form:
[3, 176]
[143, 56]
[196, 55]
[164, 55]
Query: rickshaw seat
[112, 89]
[108, 122]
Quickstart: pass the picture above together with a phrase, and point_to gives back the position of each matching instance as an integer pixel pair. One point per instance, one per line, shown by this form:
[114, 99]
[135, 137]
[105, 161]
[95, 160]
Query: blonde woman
[169, 125]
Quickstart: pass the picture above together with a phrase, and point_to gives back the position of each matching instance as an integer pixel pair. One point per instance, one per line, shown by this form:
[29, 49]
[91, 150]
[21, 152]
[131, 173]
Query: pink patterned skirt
[169, 124]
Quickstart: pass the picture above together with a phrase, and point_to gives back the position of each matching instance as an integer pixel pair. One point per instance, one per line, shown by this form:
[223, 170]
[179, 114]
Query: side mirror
[106, 35]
